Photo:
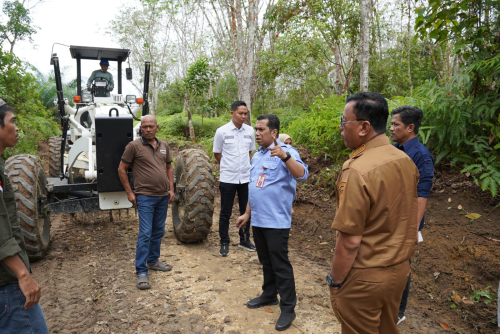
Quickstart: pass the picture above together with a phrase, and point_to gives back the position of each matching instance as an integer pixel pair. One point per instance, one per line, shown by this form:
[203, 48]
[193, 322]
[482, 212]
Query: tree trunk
[364, 52]
[409, 47]
[190, 119]
[235, 24]
[337, 81]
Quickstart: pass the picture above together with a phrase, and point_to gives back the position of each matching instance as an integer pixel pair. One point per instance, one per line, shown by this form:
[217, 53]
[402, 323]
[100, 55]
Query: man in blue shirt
[275, 168]
[404, 131]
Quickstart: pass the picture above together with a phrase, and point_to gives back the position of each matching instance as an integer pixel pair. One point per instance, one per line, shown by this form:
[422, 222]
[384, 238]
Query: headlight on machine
[130, 99]
[86, 97]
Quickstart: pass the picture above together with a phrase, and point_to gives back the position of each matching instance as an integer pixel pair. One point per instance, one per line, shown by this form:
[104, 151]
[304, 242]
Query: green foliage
[478, 294]
[471, 24]
[47, 88]
[288, 115]
[462, 128]
[319, 129]
[328, 177]
[171, 100]
[21, 91]
[200, 77]
[177, 125]
[18, 27]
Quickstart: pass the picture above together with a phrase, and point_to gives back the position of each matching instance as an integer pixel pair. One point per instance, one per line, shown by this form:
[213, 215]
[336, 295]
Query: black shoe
[247, 245]
[259, 302]
[224, 250]
[284, 321]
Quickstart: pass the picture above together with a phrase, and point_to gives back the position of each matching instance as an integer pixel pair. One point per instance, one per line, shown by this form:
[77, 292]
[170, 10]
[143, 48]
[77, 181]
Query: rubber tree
[364, 49]
[147, 33]
[238, 33]
[199, 80]
[18, 26]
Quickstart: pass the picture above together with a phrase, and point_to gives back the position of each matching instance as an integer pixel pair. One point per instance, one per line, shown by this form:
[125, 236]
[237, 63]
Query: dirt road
[89, 285]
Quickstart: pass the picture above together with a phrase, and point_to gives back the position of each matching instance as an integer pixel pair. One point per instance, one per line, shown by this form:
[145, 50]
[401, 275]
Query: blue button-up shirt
[424, 161]
[271, 205]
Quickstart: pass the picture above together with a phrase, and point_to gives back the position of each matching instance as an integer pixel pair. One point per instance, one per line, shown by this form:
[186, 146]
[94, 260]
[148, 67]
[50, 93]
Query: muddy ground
[88, 280]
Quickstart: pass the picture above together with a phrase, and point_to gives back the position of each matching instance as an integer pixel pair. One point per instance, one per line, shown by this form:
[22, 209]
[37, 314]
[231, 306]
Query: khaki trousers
[368, 302]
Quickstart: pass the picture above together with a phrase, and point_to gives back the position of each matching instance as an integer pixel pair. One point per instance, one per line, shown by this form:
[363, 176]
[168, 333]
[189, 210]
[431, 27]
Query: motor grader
[83, 161]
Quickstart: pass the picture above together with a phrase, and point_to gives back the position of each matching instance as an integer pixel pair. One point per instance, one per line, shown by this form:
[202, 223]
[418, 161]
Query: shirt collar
[379, 141]
[145, 142]
[234, 127]
[409, 144]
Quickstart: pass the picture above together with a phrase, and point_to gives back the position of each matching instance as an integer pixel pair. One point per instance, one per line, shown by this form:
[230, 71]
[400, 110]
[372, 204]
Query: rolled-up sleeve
[8, 248]
[425, 166]
[8, 244]
[293, 152]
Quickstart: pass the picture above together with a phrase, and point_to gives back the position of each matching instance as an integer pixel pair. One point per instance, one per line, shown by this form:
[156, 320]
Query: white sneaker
[400, 320]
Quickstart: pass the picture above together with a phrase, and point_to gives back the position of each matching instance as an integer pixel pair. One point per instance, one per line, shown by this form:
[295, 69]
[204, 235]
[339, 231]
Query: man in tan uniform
[376, 221]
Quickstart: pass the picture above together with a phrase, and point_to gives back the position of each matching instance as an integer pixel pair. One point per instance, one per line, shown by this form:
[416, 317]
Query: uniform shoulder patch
[342, 185]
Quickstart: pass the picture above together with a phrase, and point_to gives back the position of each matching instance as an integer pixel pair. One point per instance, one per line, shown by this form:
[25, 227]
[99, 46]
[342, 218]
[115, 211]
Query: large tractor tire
[29, 183]
[55, 156]
[193, 208]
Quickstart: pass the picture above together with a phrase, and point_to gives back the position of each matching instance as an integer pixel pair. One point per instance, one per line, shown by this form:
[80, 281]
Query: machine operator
[102, 73]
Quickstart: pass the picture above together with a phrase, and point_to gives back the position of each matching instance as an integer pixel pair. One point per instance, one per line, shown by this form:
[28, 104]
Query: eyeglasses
[343, 122]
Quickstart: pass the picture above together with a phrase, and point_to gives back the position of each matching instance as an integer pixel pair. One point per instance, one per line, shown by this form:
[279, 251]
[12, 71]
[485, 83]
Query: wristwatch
[330, 282]
[288, 156]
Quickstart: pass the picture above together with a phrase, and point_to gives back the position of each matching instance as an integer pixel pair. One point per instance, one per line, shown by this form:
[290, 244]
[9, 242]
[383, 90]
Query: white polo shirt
[234, 144]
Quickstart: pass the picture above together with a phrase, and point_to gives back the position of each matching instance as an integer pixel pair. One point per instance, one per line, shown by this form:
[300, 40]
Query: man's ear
[274, 133]
[410, 128]
[365, 129]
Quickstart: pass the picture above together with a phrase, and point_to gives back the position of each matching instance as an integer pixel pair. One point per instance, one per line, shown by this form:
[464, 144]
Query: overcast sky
[71, 22]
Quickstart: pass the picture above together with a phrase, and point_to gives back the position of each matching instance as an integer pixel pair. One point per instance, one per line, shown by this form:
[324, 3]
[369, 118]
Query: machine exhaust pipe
[60, 103]
[145, 94]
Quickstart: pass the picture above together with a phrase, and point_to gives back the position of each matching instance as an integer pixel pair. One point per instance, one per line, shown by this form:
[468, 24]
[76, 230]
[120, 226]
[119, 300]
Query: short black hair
[3, 111]
[371, 107]
[409, 115]
[237, 104]
[273, 122]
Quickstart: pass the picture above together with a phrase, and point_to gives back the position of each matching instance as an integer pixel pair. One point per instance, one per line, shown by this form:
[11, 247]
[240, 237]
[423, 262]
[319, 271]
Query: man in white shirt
[233, 143]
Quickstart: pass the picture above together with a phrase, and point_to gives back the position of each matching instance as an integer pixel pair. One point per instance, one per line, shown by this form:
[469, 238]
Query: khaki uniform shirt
[11, 236]
[149, 166]
[377, 199]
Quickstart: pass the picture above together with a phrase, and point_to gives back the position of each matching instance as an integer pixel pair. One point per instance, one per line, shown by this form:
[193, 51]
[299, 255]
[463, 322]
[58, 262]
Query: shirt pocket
[271, 170]
[248, 143]
[8, 191]
[230, 145]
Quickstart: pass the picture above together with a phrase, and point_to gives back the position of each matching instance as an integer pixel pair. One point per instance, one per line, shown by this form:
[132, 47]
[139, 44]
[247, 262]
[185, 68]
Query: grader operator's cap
[104, 62]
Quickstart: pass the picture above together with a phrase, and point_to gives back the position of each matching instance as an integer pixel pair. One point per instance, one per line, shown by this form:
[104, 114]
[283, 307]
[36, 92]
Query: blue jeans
[14, 318]
[152, 215]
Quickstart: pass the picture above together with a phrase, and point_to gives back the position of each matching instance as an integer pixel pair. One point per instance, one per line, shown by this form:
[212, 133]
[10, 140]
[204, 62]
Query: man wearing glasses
[376, 221]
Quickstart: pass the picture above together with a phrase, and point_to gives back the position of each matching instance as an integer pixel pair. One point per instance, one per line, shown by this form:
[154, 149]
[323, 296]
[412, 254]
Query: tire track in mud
[65, 282]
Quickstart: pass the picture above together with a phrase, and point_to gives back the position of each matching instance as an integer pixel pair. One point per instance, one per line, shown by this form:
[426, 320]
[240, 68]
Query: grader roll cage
[83, 162]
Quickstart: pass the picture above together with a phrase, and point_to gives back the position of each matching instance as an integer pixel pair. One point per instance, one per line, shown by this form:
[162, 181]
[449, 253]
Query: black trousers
[272, 250]
[404, 298]
[227, 194]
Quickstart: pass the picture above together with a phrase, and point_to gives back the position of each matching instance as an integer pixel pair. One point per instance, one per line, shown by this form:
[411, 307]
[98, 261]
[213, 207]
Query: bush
[319, 129]
[178, 126]
[461, 128]
[21, 91]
